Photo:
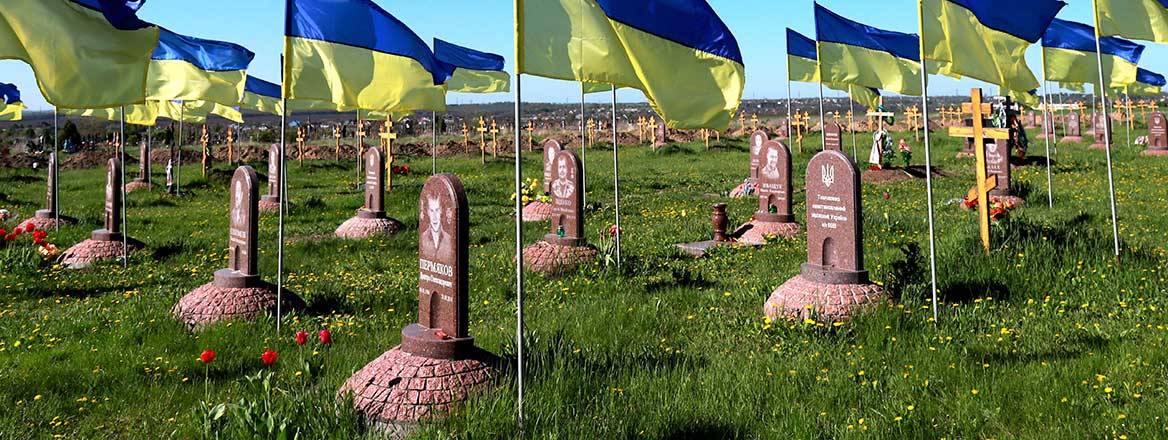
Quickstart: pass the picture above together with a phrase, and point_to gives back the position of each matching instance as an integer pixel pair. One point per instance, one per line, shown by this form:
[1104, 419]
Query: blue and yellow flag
[854, 53]
[229, 113]
[136, 114]
[1148, 83]
[190, 69]
[594, 87]
[803, 65]
[261, 96]
[678, 52]
[12, 108]
[354, 54]
[192, 112]
[84, 53]
[1136, 19]
[986, 39]
[1069, 49]
[474, 71]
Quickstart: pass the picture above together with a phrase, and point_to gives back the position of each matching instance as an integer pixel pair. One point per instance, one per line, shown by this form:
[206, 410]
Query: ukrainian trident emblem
[828, 175]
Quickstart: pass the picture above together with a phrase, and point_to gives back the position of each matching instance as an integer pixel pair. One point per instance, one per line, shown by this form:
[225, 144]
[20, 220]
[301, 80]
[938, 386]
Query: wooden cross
[879, 116]
[300, 145]
[980, 133]
[797, 124]
[337, 134]
[741, 121]
[205, 139]
[706, 137]
[387, 138]
[531, 135]
[640, 129]
[591, 138]
[230, 145]
[753, 122]
[653, 132]
[494, 139]
[465, 138]
[482, 129]
[911, 114]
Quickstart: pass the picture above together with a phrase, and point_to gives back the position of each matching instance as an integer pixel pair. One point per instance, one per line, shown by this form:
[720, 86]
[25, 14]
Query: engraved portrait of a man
[435, 239]
[564, 186]
[771, 169]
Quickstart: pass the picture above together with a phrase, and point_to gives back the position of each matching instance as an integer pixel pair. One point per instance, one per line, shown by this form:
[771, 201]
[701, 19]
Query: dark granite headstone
[774, 184]
[113, 204]
[144, 162]
[374, 185]
[273, 195]
[243, 269]
[1157, 132]
[833, 136]
[662, 134]
[835, 224]
[442, 329]
[550, 148]
[1101, 122]
[997, 157]
[756, 141]
[1074, 126]
[567, 201]
[51, 192]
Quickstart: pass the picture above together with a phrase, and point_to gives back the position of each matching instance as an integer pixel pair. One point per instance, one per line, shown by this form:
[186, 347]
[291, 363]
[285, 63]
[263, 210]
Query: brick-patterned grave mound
[91, 251]
[209, 303]
[758, 232]
[537, 212]
[801, 298]
[137, 185]
[47, 222]
[360, 227]
[553, 259]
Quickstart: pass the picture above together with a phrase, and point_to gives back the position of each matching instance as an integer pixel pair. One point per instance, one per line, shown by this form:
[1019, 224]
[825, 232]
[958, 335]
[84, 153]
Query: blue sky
[488, 25]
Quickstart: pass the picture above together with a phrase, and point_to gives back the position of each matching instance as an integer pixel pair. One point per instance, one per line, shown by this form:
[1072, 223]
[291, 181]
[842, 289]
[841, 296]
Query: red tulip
[326, 337]
[10, 237]
[3, 232]
[29, 227]
[301, 337]
[887, 196]
[17, 231]
[269, 358]
[207, 357]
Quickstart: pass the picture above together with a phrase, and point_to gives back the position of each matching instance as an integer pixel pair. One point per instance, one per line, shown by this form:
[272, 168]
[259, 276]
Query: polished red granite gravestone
[371, 219]
[749, 186]
[237, 292]
[773, 218]
[1073, 130]
[143, 179]
[564, 247]
[106, 243]
[537, 211]
[271, 201]
[833, 284]
[1157, 135]
[49, 218]
[1101, 122]
[437, 364]
[833, 136]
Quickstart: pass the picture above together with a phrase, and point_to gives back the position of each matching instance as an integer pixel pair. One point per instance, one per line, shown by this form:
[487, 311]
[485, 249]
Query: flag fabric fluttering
[593, 87]
[229, 113]
[1136, 19]
[802, 62]
[1069, 48]
[858, 54]
[191, 112]
[473, 71]
[13, 108]
[261, 96]
[354, 54]
[649, 45]
[194, 69]
[136, 114]
[84, 53]
[986, 39]
[1148, 83]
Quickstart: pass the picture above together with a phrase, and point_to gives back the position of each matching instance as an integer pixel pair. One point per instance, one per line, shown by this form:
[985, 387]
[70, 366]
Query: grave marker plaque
[774, 184]
[567, 201]
[1101, 122]
[835, 226]
[144, 162]
[756, 141]
[374, 185]
[443, 249]
[1157, 132]
[51, 192]
[551, 147]
[1073, 126]
[833, 136]
[273, 195]
[243, 269]
[997, 158]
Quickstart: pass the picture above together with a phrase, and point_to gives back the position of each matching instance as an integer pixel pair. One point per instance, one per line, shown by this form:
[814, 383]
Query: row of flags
[11, 108]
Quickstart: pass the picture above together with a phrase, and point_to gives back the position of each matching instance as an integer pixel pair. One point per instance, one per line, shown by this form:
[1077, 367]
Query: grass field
[1048, 337]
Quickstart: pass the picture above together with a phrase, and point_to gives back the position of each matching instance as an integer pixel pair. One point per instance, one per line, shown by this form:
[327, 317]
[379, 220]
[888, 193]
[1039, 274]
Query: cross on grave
[465, 138]
[230, 145]
[742, 121]
[591, 138]
[706, 137]
[640, 129]
[387, 138]
[530, 135]
[798, 124]
[653, 132]
[205, 139]
[482, 129]
[753, 122]
[879, 116]
[985, 183]
[850, 120]
[911, 115]
[494, 139]
[300, 145]
[337, 135]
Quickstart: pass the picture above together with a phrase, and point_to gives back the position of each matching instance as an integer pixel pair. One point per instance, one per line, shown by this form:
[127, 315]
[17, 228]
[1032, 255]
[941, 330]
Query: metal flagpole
[822, 121]
[56, 194]
[616, 179]
[789, 135]
[519, 241]
[1047, 124]
[283, 191]
[1127, 111]
[434, 144]
[182, 109]
[928, 161]
[1106, 132]
[122, 184]
[583, 148]
[852, 109]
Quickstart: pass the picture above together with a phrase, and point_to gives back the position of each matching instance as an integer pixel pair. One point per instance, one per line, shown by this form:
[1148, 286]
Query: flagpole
[852, 110]
[1047, 124]
[1127, 111]
[519, 243]
[583, 148]
[182, 109]
[928, 160]
[822, 121]
[434, 143]
[122, 184]
[616, 179]
[789, 135]
[56, 194]
[1106, 132]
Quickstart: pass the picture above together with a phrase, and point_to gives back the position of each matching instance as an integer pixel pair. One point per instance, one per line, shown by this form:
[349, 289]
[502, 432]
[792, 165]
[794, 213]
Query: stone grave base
[90, 251]
[1151, 152]
[1010, 201]
[269, 204]
[46, 222]
[549, 259]
[1100, 146]
[209, 303]
[966, 154]
[702, 248]
[359, 227]
[755, 232]
[537, 212]
[137, 185]
[802, 298]
[1070, 139]
[747, 188]
[399, 390]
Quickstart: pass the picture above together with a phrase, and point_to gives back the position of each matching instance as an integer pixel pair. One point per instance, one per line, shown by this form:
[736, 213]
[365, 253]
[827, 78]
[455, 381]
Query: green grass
[1049, 337]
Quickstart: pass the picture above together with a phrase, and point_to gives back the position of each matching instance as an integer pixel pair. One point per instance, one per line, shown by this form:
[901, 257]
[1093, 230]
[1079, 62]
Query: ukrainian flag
[229, 113]
[261, 96]
[803, 64]
[1074, 87]
[84, 53]
[854, 53]
[354, 54]
[1069, 49]
[474, 71]
[136, 114]
[986, 39]
[193, 112]
[189, 69]
[678, 52]
[1136, 19]
[1148, 83]
[593, 87]
[12, 109]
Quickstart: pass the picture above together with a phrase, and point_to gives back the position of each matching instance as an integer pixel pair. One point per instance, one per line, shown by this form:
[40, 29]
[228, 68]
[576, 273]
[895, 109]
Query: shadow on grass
[679, 277]
[672, 149]
[967, 291]
[168, 250]
[21, 178]
[1031, 161]
[1073, 348]
[555, 354]
[697, 429]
